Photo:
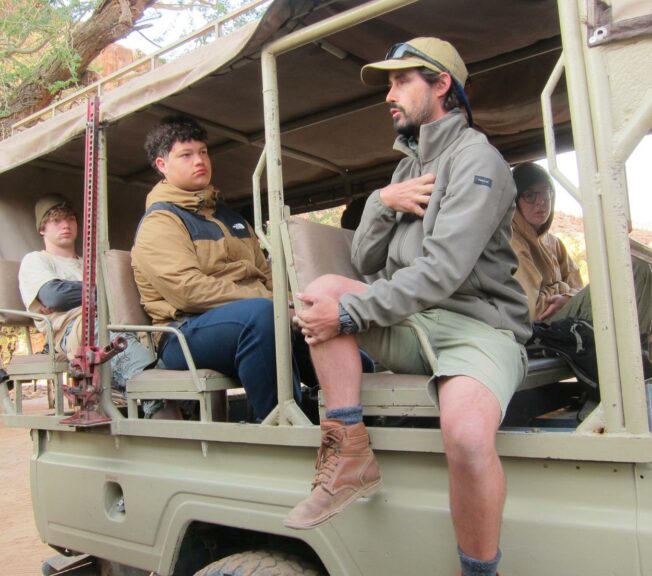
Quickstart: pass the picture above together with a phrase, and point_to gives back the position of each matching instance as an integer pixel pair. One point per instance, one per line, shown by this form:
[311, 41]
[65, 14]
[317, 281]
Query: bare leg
[470, 416]
[337, 361]
[346, 466]
[339, 379]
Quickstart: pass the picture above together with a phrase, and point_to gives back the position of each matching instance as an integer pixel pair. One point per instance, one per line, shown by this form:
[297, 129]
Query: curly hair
[161, 139]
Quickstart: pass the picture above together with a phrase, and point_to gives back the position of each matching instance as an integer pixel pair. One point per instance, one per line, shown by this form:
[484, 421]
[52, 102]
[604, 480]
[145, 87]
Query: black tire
[260, 563]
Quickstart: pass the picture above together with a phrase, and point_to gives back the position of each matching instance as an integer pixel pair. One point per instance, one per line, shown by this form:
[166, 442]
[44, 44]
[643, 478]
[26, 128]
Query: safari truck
[292, 129]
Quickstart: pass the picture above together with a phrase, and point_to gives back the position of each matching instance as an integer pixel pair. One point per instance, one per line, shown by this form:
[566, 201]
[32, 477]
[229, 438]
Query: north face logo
[238, 226]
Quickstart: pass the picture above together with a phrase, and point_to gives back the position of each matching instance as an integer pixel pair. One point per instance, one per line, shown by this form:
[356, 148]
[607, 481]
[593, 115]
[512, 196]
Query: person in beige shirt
[50, 283]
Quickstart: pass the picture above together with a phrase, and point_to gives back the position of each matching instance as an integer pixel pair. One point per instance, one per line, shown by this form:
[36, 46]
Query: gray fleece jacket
[458, 256]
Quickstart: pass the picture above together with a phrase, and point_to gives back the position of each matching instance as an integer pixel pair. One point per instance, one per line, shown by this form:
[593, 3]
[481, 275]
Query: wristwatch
[347, 324]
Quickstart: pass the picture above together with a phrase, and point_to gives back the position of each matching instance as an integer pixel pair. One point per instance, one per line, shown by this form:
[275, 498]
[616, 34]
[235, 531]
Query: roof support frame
[287, 408]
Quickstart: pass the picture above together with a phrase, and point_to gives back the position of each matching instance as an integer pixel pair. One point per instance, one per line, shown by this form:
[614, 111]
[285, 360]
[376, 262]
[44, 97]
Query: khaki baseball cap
[432, 53]
[45, 204]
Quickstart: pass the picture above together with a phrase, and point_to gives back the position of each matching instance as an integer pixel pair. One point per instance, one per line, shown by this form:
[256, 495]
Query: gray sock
[473, 567]
[348, 415]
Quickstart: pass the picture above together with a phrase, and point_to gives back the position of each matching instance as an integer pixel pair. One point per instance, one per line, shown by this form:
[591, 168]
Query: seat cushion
[35, 364]
[158, 380]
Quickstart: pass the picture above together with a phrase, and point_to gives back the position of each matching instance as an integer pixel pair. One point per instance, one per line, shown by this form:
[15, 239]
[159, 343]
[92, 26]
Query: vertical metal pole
[288, 412]
[86, 358]
[615, 204]
[258, 213]
[90, 229]
[102, 246]
[590, 186]
[549, 130]
[275, 197]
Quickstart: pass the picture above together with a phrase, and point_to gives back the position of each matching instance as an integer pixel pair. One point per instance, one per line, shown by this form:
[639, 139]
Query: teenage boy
[51, 283]
[198, 265]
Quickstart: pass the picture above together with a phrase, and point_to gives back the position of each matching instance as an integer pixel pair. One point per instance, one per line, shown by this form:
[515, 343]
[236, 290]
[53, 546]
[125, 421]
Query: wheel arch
[210, 531]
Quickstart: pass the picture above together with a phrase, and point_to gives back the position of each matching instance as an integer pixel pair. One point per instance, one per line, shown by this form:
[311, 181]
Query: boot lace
[327, 457]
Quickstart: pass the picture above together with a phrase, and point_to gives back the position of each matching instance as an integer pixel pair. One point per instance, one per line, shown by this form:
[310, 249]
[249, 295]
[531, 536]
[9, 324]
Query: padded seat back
[202, 385]
[27, 367]
[312, 250]
[10, 294]
[122, 293]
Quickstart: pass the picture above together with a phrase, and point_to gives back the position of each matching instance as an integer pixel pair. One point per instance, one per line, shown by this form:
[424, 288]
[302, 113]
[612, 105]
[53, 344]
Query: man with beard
[441, 230]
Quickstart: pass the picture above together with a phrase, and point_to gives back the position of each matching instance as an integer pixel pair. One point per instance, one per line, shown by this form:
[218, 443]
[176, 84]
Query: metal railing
[141, 66]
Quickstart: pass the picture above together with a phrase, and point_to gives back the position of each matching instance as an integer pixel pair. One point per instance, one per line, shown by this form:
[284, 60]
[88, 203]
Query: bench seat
[383, 394]
[389, 394]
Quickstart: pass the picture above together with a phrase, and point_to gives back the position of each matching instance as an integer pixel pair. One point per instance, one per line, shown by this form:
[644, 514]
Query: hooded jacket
[544, 267]
[193, 253]
[458, 256]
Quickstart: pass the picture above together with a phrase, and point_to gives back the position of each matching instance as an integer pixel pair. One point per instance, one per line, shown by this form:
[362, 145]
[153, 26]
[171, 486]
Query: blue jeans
[236, 339]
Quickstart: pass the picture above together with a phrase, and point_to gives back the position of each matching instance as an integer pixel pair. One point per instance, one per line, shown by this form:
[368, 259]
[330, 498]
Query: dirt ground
[21, 549]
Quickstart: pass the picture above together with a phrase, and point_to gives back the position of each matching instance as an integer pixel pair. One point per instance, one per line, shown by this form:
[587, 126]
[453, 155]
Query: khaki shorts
[463, 347]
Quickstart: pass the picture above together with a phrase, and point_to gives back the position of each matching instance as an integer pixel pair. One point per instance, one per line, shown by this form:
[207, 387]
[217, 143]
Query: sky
[638, 184]
[165, 26]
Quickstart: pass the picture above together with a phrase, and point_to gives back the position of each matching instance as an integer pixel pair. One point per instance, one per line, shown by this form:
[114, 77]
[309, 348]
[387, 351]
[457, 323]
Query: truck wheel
[260, 563]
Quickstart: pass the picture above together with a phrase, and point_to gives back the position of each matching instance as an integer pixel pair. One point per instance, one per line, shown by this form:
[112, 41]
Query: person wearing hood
[546, 271]
[198, 265]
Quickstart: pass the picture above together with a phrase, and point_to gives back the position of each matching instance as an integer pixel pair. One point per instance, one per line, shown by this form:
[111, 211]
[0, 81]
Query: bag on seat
[573, 340]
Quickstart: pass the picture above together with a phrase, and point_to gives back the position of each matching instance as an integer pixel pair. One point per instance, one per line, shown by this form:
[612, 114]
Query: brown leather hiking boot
[346, 470]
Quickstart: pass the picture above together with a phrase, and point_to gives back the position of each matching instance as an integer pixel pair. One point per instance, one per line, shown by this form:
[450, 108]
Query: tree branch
[182, 7]
[112, 20]
[12, 51]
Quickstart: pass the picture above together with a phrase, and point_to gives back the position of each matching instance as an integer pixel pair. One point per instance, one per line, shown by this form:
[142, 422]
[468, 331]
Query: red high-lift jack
[84, 369]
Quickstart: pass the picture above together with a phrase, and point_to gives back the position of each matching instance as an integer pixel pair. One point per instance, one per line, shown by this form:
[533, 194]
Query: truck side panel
[561, 517]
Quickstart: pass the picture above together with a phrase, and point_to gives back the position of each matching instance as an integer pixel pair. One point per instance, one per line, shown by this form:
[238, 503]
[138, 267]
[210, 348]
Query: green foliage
[9, 338]
[33, 35]
[330, 216]
[191, 16]
[576, 248]
[37, 36]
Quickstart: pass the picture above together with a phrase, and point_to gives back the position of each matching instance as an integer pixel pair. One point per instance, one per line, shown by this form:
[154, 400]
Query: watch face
[347, 325]
[347, 329]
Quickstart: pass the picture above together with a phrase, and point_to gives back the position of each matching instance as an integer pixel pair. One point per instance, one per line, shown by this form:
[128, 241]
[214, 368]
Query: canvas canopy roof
[336, 132]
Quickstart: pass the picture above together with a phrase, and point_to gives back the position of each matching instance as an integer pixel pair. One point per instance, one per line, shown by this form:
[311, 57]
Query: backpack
[573, 340]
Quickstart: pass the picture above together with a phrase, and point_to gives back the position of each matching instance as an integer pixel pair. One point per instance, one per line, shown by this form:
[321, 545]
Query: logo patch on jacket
[238, 226]
[483, 181]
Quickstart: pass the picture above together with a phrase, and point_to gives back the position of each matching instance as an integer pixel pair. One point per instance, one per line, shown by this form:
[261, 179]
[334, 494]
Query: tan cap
[441, 57]
[45, 204]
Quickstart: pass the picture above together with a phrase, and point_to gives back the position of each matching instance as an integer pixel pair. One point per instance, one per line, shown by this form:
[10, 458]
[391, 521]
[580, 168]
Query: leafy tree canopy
[46, 45]
[34, 32]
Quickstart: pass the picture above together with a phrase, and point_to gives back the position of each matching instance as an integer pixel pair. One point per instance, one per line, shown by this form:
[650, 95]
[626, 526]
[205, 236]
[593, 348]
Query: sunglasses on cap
[531, 195]
[403, 49]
